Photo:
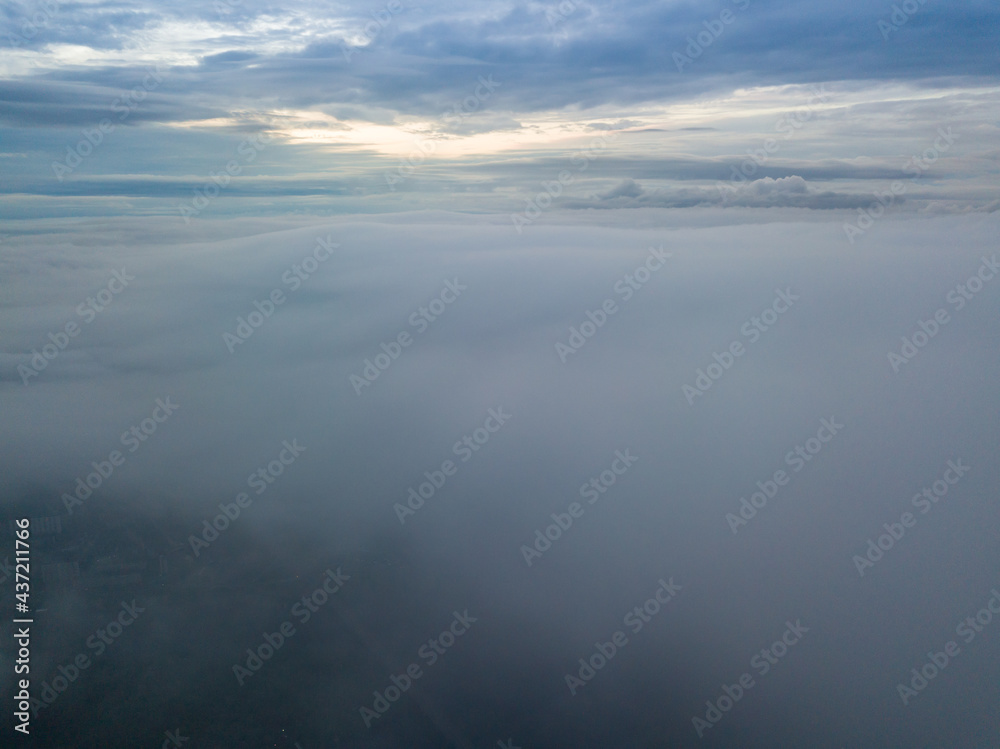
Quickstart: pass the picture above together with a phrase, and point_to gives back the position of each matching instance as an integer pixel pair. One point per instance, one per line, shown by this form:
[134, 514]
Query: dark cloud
[421, 61]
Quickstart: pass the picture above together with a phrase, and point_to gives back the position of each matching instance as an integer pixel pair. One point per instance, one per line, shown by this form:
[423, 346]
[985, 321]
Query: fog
[342, 427]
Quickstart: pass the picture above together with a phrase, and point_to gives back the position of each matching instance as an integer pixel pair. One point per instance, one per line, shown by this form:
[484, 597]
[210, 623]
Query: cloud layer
[491, 343]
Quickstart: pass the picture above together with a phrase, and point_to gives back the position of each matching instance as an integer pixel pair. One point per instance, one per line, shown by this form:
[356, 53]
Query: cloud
[785, 192]
[628, 188]
[767, 186]
[454, 211]
[422, 59]
[494, 347]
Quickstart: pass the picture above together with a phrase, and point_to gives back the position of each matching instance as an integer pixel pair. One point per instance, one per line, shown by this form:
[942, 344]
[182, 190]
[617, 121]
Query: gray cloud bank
[484, 309]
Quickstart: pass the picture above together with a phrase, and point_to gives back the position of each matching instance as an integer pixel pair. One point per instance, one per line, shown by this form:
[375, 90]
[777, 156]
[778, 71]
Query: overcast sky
[543, 326]
[351, 93]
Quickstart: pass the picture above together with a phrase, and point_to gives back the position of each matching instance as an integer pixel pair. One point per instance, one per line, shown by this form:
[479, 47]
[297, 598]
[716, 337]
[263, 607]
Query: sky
[374, 108]
[515, 374]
